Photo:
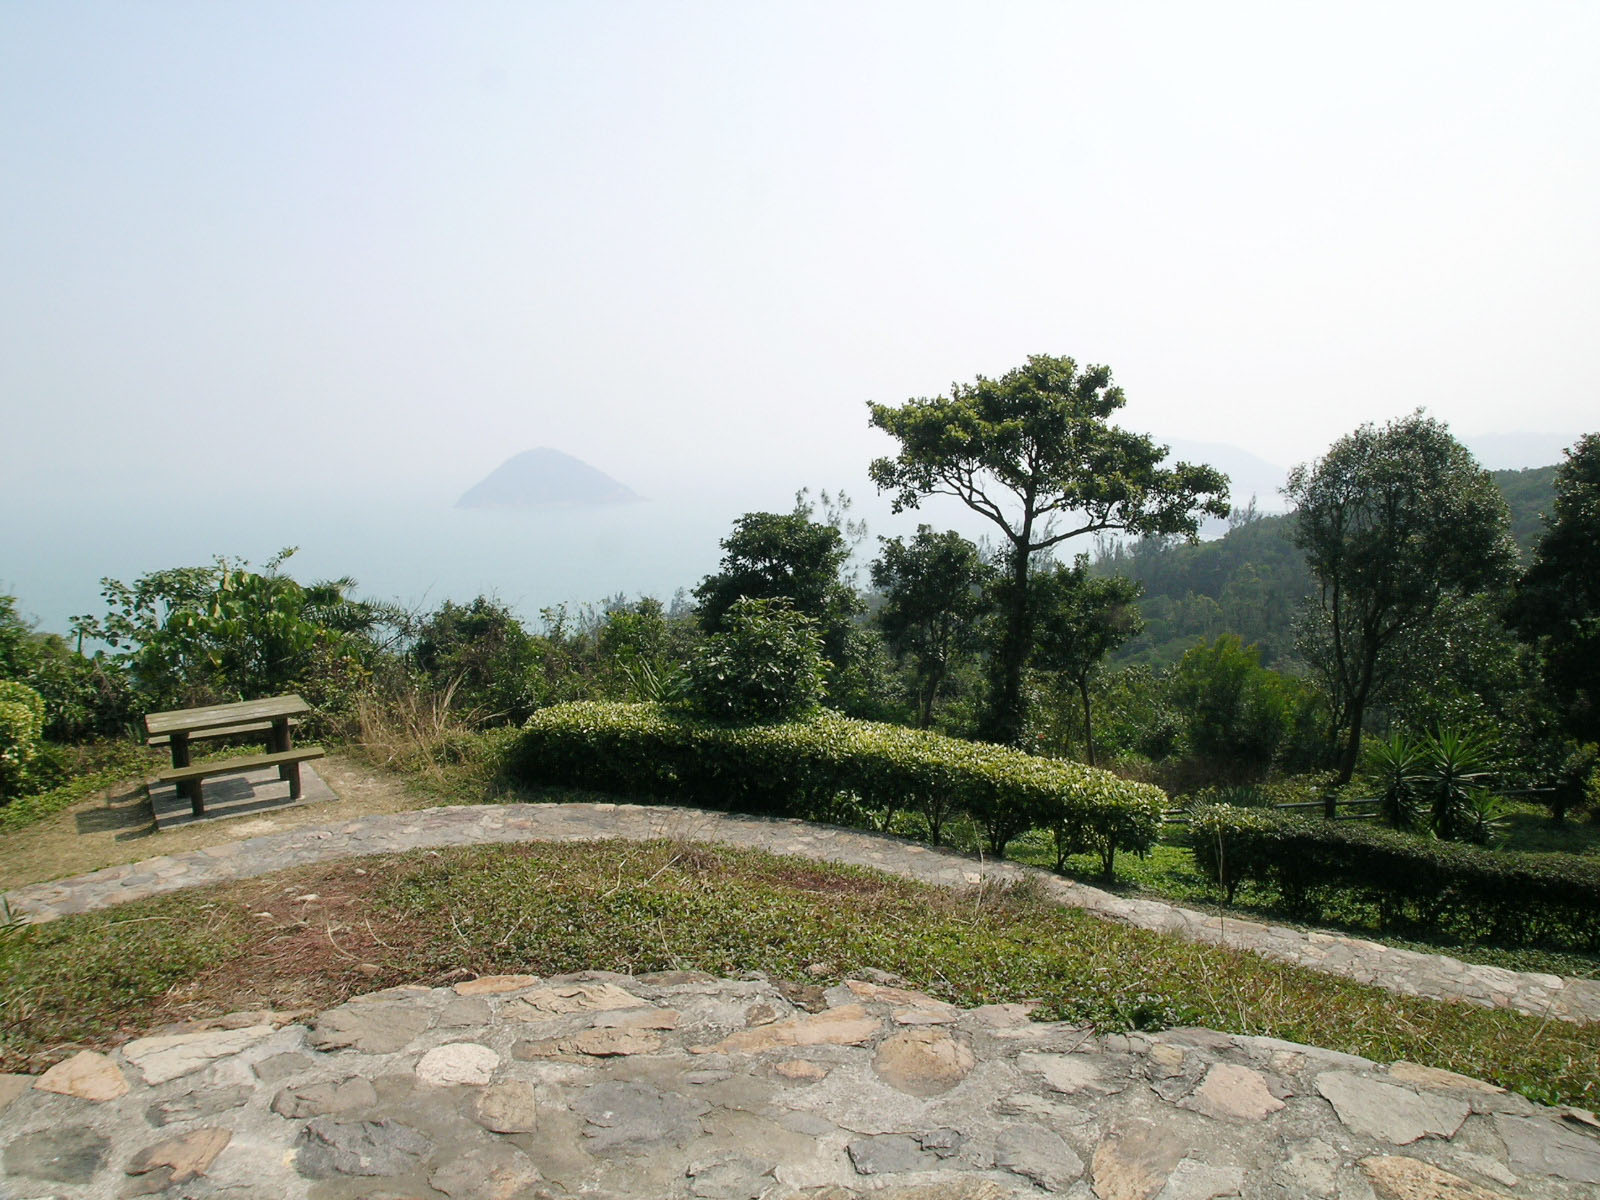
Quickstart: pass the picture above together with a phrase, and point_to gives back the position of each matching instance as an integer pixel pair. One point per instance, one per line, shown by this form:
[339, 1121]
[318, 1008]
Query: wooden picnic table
[270, 717]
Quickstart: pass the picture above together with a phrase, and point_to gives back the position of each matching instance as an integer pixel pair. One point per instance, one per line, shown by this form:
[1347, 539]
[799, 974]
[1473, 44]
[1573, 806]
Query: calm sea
[418, 551]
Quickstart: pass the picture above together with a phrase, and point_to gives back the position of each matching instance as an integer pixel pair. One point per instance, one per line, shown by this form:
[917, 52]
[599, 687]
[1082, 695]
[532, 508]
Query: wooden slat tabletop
[192, 720]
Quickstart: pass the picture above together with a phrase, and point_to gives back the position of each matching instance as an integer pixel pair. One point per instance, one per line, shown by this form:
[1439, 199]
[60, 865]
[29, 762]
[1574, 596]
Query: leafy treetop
[1033, 447]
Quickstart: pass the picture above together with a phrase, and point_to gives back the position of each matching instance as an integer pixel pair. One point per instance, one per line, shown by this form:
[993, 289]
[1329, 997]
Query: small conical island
[546, 478]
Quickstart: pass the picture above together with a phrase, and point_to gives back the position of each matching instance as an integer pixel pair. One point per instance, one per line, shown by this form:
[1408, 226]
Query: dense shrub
[83, 697]
[798, 768]
[1463, 890]
[480, 655]
[21, 725]
[764, 664]
[1238, 712]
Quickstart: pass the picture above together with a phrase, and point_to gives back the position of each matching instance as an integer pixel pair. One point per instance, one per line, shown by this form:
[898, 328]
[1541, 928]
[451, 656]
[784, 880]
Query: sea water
[415, 549]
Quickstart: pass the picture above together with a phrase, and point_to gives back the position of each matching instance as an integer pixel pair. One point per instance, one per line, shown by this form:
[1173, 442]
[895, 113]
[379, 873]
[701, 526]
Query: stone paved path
[1403, 971]
[680, 1085]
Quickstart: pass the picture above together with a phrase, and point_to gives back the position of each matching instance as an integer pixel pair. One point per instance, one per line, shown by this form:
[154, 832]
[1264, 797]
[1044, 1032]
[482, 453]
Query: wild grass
[423, 735]
[315, 936]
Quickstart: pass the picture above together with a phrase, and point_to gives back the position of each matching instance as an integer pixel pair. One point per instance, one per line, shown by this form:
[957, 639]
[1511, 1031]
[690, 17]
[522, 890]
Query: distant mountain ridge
[546, 478]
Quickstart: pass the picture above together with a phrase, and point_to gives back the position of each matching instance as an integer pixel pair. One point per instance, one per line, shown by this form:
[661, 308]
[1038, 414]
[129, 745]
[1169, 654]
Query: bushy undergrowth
[1448, 887]
[799, 768]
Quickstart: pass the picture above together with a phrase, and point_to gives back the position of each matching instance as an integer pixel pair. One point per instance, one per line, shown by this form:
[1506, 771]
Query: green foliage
[1034, 452]
[1529, 495]
[1392, 521]
[1449, 887]
[1461, 668]
[765, 664]
[788, 556]
[1392, 769]
[868, 683]
[83, 697]
[1435, 784]
[932, 601]
[1456, 770]
[196, 635]
[1078, 620]
[1238, 714]
[14, 933]
[482, 652]
[68, 774]
[1230, 842]
[1576, 785]
[21, 727]
[799, 768]
[1557, 603]
[1250, 581]
[636, 637]
[16, 638]
[1136, 713]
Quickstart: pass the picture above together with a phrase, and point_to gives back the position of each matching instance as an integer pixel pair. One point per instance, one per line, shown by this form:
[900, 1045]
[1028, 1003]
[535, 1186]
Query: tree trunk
[929, 694]
[1006, 716]
[1352, 745]
[1088, 725]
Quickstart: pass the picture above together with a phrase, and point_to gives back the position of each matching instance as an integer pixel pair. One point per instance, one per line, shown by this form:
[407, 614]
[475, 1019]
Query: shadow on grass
[125, 813]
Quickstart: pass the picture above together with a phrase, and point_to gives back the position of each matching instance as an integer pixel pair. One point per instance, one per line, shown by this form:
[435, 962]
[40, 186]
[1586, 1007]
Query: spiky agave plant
[1458, 770]
[1394, 767]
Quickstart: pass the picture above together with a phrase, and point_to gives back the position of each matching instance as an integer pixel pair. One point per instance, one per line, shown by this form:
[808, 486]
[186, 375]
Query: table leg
[280, 743]
[180, 750]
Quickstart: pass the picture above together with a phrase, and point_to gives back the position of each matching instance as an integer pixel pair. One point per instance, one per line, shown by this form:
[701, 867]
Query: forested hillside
[1251, 580]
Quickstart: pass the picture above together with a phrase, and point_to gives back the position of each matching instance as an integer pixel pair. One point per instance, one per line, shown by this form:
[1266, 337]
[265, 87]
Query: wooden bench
[288, 763]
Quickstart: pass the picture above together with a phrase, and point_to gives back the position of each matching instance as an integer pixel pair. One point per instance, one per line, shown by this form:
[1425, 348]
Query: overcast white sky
[394, 242]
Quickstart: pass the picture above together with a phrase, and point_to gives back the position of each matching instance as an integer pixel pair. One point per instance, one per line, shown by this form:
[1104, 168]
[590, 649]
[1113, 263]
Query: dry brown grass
[117, 826]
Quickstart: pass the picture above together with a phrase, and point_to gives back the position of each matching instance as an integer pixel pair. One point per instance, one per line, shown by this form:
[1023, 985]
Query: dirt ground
[118, 826]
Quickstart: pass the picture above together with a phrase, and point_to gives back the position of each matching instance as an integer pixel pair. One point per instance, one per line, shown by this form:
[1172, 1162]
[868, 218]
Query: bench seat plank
[246, 762]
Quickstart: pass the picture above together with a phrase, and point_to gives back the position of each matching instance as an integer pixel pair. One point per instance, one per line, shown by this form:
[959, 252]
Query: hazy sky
[378, 243]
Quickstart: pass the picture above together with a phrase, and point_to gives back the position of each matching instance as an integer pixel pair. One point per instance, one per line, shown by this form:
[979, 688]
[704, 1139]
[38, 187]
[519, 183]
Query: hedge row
[1450, 887]
[800, 768]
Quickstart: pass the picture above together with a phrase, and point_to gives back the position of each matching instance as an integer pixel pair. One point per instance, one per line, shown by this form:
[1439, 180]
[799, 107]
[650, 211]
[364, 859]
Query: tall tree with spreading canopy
[1557, 603]
[1392, 521]
[1033, 451]
[1081, 619]
[932, 599]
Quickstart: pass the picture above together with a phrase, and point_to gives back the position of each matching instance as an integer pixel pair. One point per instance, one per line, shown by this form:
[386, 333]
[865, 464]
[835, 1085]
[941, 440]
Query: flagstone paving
[678, 1084]
[1406, 972]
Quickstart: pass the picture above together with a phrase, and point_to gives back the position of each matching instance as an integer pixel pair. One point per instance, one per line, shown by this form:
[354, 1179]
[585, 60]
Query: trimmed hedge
[1451, 887]
[798, 768]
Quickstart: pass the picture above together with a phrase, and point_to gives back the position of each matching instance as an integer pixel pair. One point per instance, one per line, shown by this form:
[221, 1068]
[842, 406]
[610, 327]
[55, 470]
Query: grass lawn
[313, 937]
[1529, 827]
